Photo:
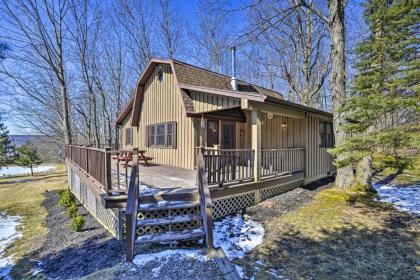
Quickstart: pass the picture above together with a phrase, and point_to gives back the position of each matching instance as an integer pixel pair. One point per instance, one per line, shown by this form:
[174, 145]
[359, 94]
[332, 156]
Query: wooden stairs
[169, 220]
[184, 214]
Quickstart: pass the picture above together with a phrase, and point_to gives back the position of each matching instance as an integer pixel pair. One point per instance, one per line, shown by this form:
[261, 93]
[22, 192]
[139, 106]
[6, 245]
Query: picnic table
[127, 156]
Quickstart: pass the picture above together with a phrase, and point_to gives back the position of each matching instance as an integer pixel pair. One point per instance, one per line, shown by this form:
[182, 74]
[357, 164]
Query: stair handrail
[206, 205]
[131, 212]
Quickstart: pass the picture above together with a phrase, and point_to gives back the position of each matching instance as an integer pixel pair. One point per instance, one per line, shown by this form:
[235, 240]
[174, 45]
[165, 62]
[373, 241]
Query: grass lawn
[23, 196]
[338, 235]
[407, 176]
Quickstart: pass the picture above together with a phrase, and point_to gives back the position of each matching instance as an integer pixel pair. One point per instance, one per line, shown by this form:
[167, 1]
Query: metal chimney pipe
[233, 82]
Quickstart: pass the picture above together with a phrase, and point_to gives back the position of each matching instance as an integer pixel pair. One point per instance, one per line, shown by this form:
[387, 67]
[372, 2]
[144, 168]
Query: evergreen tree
[382, 110]
[28, 156]
[6, 148]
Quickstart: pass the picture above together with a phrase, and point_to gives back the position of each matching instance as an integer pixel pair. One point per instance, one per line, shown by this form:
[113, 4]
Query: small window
[326, 134]
[212, 133]
[162, 135]
[129, 136]
[160, 73]
[169, 135]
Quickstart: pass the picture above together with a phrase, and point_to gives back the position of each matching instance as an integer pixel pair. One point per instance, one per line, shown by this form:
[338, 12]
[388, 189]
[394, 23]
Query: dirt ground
[93, 253]
[314, 232]
[320, 233]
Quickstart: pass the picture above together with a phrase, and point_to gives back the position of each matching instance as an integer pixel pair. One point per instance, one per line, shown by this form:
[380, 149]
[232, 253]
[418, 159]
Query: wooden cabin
[246, 144]
[178, 108]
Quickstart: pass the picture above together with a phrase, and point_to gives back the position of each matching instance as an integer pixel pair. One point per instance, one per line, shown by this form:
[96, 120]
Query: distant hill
[48, 150]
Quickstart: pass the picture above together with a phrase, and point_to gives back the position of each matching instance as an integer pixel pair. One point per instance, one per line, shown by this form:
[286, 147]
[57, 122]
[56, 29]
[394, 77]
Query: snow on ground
[8, 235]
[11, 171]
[164, 257]
[237, 235]
[404, 198]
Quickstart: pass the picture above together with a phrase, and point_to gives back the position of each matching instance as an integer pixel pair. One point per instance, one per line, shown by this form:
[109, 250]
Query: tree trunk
[32, 171]
[345, 175]
[364, 172]
[66, 115]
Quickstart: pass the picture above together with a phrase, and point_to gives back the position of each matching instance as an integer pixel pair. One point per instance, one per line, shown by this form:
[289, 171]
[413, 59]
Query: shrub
[77, 222]
[73, 211]
[67, 198]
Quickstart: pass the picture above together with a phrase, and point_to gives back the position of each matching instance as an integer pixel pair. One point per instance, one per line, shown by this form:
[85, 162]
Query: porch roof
[229, 114]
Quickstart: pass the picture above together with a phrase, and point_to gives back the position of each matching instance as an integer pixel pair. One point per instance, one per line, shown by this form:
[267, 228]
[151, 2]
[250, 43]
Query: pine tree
[6, 147]
[28, 156]
[382, 110]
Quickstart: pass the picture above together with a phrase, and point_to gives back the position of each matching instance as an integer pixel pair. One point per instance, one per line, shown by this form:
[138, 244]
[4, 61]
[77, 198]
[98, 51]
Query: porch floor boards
[162, 177]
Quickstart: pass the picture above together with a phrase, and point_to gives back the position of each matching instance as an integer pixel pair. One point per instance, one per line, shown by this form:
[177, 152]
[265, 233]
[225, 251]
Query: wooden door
[228, 135]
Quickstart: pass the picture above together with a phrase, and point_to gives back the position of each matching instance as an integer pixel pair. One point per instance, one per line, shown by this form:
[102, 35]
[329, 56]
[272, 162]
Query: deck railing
[279, 161]
[95, 162]
[228, 165]
[131, 212]
[206, 205]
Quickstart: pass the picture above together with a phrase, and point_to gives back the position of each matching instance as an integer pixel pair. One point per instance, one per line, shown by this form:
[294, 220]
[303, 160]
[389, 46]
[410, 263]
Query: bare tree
[132, 16]
[212, 36]
[170, 27]
[36, 29]
[334, 17]
[84, 32]
[294, 49]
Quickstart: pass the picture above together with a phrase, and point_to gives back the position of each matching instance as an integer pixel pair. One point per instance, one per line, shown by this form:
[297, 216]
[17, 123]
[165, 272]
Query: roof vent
[233, 79]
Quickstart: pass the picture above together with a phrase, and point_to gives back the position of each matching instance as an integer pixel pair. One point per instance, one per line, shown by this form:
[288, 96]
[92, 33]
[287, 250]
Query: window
[160, 73]
[212, 133]
[326, 134]
[129, 136]
[162, 135]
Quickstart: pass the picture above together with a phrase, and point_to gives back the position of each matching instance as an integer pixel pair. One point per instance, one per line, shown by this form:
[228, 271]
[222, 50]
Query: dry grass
[407, 176]
[25, 199]
[339, 235]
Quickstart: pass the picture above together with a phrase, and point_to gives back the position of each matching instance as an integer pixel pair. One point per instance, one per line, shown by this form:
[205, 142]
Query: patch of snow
[237, 235]
[404, 198]
[147, 190]
[8, 235]
[240, 271]
[11, 171]
[37, 268]
[164, 257]
[275, 273]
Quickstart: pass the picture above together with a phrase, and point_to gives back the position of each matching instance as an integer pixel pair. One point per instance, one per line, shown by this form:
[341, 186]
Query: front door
[228, 135]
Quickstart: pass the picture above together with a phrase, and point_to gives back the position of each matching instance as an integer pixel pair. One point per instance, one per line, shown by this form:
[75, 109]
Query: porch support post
[256, 142]
[202, 132]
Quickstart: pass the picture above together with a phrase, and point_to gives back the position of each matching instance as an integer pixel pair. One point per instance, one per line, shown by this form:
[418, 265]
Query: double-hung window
[129, 136]
[162, 135]
[326, 134]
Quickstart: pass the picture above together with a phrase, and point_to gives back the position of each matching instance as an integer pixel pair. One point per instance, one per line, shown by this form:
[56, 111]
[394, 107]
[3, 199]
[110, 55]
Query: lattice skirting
[168, 214]
[232, 204]
[110, 219]
[272, 191]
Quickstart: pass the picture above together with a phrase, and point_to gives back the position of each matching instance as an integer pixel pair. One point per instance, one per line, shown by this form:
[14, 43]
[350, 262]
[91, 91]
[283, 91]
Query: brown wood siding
[319, 161]
[208, 102]
[162, 103]
[274, 136]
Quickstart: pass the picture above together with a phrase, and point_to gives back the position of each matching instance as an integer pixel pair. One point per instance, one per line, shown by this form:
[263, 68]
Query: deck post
[202, 131]
[256, 143]
[108, 171]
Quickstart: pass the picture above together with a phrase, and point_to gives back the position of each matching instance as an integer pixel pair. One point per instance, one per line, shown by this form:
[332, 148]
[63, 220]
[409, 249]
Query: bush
[77, 222]
[73, 211]
[67, 198]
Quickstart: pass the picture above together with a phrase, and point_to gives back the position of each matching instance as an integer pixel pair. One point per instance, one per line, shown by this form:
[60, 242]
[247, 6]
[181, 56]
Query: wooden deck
[162, 177]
